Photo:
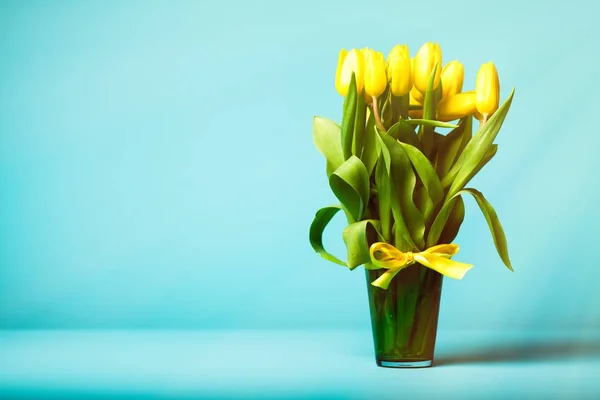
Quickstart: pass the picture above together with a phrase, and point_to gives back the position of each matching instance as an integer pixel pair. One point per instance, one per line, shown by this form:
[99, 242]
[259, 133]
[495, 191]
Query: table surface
[292, 364]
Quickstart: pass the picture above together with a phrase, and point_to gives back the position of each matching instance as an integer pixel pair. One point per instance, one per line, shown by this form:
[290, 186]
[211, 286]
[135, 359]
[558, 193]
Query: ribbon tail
[445, 266]
[384, 280]
[447, 250]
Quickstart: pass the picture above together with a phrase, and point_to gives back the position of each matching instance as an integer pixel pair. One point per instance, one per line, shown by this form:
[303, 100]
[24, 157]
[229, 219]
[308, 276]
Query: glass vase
[404, 317]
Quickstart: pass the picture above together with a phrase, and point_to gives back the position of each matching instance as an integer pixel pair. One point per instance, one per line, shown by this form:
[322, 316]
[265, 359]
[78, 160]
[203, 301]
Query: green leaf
[476, 149]
[452, 145]
[385, 153]
[357, 237]
[384, 196]
[327, 138]
[322, 218]
[490, 216]
[494, 224]
[348, 119]
[423, 201]
[429, 98]
[431, 122]
[404, 132]
[403, 185]
[427, 174]
[455, 220]
[350, 184]
[488, 156]
[372, 146]
[430, 101]
[439, 223]
[403, 240]
[359, 126]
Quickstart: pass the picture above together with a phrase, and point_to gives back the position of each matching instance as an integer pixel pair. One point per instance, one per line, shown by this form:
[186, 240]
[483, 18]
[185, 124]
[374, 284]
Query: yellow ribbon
[384, 255]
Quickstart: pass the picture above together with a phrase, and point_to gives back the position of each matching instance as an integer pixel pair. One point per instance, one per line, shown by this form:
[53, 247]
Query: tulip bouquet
[400, 181]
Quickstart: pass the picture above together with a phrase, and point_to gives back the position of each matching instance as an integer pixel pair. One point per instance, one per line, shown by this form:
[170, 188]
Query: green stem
[376, 115]
[408, 292]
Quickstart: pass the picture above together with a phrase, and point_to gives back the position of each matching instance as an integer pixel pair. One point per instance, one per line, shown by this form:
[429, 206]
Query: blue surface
[293, 364]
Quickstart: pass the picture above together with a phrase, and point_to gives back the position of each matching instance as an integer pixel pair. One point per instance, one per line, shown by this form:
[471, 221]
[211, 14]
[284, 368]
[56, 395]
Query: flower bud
[428, 56]
[487, 89]
[453, 75]
[375, 78]
[348, 63]
[399, 70]
[456, 106]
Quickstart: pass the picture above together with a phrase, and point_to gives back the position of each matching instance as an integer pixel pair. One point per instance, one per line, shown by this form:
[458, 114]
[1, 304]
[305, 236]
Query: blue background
[157, 168]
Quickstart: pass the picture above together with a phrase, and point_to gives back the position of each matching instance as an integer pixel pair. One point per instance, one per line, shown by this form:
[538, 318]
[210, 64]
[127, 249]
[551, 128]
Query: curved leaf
[348, 118]
[385, 153]
[423, 201]
[404, 210]
[488, 156]
[322, 218]
[430, 100]
[455, 220]
[356, 236]
[427, 174]
[404, 132]
[327, 138]
[490, 216]
[494, 224]
[372, 147]
[439, 223]
[452, 145]
[350, 184]
[384, 197]
[358, 140]
[476, 149]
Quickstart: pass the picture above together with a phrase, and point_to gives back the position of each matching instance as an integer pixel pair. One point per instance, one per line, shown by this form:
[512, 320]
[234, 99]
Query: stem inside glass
[404, 317]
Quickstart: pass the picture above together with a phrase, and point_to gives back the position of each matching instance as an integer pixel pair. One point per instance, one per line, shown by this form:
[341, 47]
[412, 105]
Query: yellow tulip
[348, 63]
[399, 70]
[428, 56]
[397, 52]
[416, 97]
[338, 72]
[457, 106]
[453, 75]
[364, 51]
[375, 78]
[487, 88]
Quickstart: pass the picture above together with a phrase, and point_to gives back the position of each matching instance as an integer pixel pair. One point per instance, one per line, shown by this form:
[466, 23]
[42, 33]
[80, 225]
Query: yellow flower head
[375, 78]
[348, 63]
[428, 56]
[399, 70]
[457, 106]
[487, 88]
[453, 75]
[416, 97]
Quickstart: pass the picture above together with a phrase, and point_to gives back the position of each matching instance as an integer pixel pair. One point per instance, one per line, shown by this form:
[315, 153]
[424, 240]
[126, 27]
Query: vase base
[405, 363]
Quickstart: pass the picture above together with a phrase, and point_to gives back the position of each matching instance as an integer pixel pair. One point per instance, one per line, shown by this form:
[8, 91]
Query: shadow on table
[523, 352]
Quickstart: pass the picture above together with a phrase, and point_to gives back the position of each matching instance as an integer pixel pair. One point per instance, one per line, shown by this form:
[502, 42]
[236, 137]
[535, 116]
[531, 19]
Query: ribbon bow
[384, 255]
